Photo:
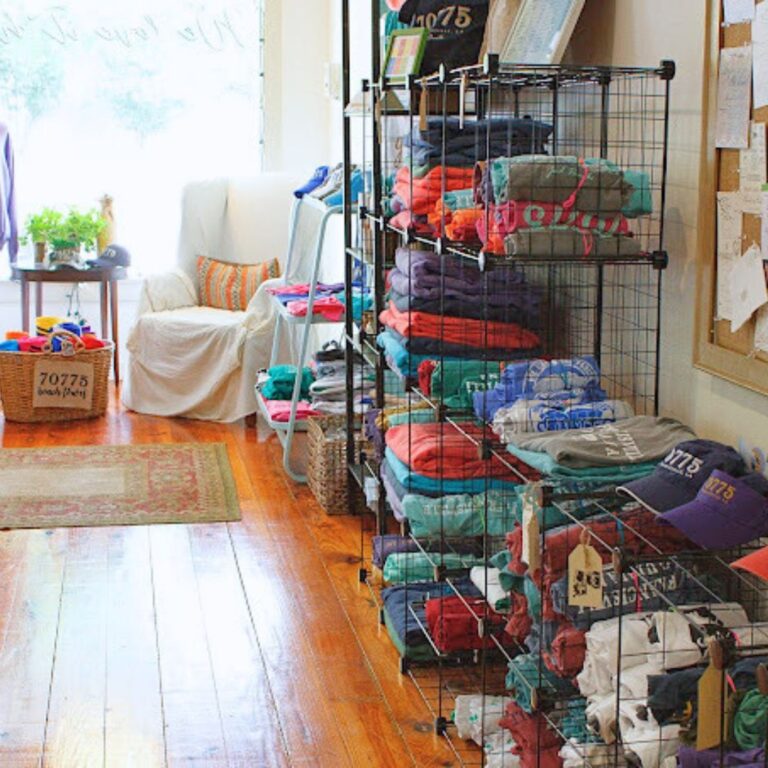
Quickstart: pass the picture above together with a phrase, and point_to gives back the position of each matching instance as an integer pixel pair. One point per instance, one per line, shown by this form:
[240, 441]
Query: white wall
[642, 32]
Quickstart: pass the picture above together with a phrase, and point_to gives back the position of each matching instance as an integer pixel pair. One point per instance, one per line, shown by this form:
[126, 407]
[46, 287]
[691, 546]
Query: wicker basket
[17, 374]
[327, 468]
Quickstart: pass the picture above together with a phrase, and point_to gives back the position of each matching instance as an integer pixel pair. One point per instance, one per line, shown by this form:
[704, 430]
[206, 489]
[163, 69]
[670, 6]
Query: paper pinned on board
[738, 11]
[752, 167]
[760, 55]
[764, 222]
[728, 248]
[748, 289]
[761, 330]
[733, 88]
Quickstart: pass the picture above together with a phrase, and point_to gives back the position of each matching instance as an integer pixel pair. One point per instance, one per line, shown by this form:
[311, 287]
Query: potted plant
[67, 235]
[41, 228]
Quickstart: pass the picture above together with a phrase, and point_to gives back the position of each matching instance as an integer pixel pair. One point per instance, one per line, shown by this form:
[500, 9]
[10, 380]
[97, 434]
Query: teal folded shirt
[407, 567]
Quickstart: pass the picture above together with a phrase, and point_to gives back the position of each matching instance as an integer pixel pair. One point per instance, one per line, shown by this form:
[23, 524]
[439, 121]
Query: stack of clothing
[275, 386]
[434, 186]
[446, 307]
[560, 207]
[328, 392]
[327, 302]
[405, 614]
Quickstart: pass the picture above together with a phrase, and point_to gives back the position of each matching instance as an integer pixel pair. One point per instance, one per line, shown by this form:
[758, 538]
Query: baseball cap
[726, 512]
[755, 562]
[112, 256]
[677, 479]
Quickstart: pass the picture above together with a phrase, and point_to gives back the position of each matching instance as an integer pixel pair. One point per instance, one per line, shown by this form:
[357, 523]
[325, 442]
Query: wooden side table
[106, 276]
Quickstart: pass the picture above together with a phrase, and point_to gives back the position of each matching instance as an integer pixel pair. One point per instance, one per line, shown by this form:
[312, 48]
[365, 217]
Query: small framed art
[405, 52]
[541, 31]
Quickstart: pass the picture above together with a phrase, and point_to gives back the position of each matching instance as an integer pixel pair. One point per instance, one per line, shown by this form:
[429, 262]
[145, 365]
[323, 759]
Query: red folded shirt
[453, 623]
[459, 330]
[425, 371]
[440, 450]
[537, 744]
[565, 656]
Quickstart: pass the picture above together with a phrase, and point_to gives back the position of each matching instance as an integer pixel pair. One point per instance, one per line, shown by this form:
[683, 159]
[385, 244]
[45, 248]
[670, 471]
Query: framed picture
[405, 52]
[541, 31]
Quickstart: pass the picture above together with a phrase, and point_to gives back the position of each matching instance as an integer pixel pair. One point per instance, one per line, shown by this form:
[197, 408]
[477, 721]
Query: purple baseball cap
[677, 479]
[726, 512]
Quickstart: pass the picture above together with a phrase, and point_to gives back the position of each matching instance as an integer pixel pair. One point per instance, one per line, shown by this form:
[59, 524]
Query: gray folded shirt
[630, 441]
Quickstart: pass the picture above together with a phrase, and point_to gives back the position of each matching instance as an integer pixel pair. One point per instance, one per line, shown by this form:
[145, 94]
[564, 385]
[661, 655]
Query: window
[130, 99]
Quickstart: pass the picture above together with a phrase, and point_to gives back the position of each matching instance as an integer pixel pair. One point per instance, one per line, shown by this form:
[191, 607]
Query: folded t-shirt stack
[295, 298]
[560, 207]
[328, 392]
[440, 159]
[275, 387]
[441, 457]
[458, 326]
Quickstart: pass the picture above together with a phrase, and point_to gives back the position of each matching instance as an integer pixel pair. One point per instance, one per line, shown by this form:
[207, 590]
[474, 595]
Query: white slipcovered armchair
[200, 362]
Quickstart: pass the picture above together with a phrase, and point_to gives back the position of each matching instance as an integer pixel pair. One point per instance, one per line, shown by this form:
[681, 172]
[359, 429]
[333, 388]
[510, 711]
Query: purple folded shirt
[688, 757]
[456, 272]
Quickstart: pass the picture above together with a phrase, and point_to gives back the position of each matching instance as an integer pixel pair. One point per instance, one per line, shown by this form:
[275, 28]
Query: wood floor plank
[33, 562]
[133, 722]
[193, 728]
[75, 728]
[252, 731]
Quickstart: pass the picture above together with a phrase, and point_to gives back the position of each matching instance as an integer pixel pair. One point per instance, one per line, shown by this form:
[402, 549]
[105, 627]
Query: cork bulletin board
[736, 356]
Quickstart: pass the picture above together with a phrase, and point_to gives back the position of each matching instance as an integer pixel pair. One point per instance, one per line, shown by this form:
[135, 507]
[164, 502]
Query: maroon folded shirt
[453, 623]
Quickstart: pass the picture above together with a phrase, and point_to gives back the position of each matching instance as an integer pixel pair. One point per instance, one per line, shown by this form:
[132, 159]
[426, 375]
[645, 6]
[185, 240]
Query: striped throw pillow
[231, 286]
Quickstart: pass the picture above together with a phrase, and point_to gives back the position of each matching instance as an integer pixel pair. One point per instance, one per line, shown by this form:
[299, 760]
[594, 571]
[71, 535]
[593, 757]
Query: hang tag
[585, 577]
[462, 97]
[423, 108]
[531, 554]
[713, 701]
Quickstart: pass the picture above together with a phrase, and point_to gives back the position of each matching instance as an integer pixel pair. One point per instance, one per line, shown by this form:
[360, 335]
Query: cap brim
[754, 562]
[710, 527]
[657, 494]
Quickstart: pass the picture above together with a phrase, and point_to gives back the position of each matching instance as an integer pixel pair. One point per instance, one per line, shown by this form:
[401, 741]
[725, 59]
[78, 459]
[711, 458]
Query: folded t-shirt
[630, 441]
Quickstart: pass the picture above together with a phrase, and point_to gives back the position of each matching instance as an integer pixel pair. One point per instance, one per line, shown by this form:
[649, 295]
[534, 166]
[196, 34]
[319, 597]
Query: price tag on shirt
[62, 384]
[713, 708]
[531, 554]
[585, 577]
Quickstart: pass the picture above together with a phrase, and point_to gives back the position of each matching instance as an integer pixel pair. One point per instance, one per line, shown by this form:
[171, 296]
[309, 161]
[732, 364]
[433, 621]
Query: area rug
[116, 485]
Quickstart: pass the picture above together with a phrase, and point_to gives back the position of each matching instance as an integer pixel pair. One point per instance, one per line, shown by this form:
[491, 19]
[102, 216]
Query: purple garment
[454, 272]
[373, 433]
[393, 499]
[522, 306]
[8, 228]
[389, 544]
[710, 758]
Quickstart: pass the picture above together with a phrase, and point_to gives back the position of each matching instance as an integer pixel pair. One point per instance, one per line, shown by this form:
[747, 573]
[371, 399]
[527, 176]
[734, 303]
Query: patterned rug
[116, 485]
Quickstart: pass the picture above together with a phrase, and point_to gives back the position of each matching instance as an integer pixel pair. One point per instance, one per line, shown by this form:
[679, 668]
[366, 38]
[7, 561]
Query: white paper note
[748, 290]
[761, 329]
[728, 248]
[733, 84]
[738, 11]
[760, 54]
[764, 222]
[752, 169]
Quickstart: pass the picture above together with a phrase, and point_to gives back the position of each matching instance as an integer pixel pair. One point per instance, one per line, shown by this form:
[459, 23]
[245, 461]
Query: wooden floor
[241, 644]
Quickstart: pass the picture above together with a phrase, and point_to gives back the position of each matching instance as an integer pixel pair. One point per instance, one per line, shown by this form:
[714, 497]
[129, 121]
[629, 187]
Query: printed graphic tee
[456, 30]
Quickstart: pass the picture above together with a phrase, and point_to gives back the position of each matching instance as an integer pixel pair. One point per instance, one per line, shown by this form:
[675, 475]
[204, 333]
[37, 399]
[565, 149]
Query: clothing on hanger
[8, 228]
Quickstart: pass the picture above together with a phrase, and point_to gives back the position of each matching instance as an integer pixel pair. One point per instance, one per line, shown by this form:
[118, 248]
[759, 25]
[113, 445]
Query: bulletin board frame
[717, 351]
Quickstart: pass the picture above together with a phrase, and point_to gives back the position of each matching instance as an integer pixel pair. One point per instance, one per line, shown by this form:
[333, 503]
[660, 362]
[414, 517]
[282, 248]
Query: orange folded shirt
[459, 330]
[463, 224]
[421, 194]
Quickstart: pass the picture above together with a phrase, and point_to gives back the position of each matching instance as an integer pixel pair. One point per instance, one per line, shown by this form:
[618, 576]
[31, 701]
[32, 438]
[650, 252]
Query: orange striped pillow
[231, 286]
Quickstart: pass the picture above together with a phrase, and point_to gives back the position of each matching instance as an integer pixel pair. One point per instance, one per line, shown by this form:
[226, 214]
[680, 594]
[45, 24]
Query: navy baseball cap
[112, 256]
[727, 511]
[677, 479]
